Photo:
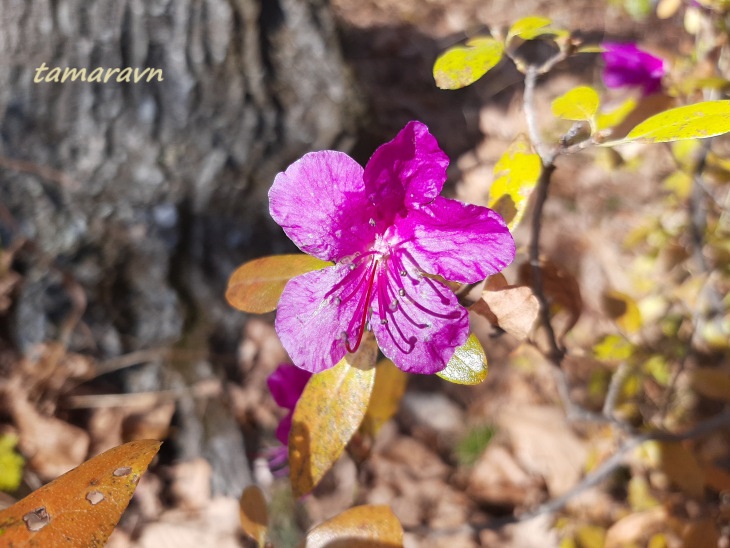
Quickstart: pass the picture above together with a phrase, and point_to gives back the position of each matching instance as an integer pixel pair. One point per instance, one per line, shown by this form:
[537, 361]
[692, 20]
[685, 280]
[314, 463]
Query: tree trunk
[148, 194]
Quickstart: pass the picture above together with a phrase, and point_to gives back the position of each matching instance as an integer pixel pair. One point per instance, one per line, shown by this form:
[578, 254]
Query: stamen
[365, 304]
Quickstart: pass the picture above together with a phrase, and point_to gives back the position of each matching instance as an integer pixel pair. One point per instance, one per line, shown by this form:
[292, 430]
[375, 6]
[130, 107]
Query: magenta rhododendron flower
[385, 227]
[629, 66]
[286, 385]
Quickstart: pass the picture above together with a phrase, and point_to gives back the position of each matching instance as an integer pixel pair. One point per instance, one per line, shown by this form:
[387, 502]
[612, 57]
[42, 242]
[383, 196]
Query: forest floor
[457, 459]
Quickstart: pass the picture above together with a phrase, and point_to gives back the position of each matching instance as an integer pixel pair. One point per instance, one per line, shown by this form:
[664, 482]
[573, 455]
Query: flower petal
[463, 243]
[408, 171]
[321, 204]
[286, 384]
[627, 65]
[284, 428]
[319, 311]
[417, 321]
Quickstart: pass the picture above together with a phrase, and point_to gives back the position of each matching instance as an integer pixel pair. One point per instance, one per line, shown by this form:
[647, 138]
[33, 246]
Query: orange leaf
[328, 413]
[256, 286]
[254, 515]
[366, 526]
[711, 382]
[390, 384]
[82, 507]
[681, 467]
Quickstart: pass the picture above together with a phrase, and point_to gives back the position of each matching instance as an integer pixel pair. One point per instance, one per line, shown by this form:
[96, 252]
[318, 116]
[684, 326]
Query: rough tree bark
[161, 189]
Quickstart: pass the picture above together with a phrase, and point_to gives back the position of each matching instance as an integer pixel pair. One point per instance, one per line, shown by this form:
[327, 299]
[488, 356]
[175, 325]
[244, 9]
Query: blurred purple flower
[629, 66]
[384, 226]
[286, 385]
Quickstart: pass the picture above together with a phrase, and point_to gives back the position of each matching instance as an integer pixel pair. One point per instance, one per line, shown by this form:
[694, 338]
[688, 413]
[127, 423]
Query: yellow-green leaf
[328, 413]
[468, 364]
[529, 28]
[615, 116]
[11, 463]
[390, 384]
[515, 176]
[366, 526]
[256, 286]
[623, 310]
[82, 507]
[460, 66]
[254, 514]
[580, 104]
[697, 121]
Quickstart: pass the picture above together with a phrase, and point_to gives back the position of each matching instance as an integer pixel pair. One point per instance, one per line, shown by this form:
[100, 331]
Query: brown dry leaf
[682, 468]
[328, 413]
[150, 423]
[82, 507]
[636, 529]
[512, 308]
[560, 288]
[544, 443]
[51, 445]
[190, 484]
[360, 527]
[217, 524]
[711, 383]
[701, 534]
[254, 514]
[49, 367]
[497, 479]
[717, 478]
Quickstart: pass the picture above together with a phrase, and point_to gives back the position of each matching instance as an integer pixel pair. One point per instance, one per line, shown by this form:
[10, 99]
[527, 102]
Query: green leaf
[696, 121]
[580, 104]
[256, 286]
[468, 364]
[460, 66]
[367, 526]
[328, 413]
[515, 176]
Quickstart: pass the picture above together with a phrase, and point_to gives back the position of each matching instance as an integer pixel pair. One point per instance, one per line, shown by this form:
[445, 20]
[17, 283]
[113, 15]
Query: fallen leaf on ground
[80, 508]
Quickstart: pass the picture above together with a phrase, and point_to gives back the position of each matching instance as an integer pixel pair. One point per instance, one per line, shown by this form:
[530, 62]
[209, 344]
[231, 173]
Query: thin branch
[603, 471]
[209, 388]
[614, 390]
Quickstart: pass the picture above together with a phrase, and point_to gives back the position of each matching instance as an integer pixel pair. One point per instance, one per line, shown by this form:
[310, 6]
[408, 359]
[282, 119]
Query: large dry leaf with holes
[82, 507]
[254, 514]
[328, 413]
[367, 526]
[510, 307]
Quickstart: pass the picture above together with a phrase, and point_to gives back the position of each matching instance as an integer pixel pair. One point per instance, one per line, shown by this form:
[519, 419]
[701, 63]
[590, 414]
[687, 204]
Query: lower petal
[417, 321]
[314, 322]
